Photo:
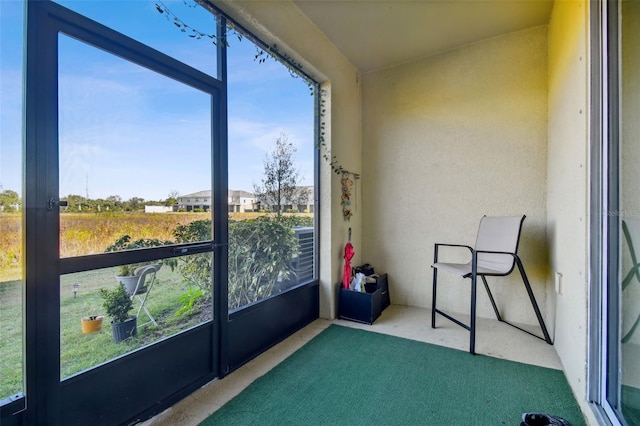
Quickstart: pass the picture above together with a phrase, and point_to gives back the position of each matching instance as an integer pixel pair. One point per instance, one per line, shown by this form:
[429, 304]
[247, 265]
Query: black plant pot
[124, 330]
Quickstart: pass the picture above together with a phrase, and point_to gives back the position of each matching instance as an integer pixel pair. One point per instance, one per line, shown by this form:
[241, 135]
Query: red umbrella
[348, 255]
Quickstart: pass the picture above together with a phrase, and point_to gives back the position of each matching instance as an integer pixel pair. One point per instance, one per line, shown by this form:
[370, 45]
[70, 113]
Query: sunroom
[433, 113]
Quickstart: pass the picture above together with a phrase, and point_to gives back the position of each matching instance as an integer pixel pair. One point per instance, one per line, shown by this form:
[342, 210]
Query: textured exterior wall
[447, 140]
[281, 23]
[568, 186]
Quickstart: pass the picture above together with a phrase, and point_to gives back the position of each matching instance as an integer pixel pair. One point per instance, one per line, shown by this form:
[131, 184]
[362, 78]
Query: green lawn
[11, 338]
[78, 351]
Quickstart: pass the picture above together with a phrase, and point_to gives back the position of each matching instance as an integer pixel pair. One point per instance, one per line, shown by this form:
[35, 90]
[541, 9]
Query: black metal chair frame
[634, 272]
[471, 327]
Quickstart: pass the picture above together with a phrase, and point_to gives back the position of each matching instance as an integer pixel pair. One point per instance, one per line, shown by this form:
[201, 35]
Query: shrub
[189, 301]
[260, 253]
[117, 303]
[195, 269]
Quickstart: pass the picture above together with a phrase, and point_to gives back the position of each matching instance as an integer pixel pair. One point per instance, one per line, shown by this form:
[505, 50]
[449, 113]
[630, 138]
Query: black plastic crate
[358, 306]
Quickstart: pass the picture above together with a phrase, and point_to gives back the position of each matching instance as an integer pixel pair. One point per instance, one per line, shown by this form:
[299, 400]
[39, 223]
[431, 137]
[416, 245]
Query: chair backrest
[141, 272]
[146, 269]
[498, 233]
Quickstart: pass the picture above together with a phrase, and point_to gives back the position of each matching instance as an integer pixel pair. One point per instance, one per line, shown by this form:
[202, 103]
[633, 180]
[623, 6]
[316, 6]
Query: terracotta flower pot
[91, 324]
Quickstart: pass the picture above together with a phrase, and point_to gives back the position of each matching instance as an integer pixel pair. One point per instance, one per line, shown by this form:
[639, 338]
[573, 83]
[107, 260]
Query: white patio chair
[495, 254]
[142, 290]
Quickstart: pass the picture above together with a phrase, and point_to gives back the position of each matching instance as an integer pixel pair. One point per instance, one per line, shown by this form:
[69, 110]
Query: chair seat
[142, 290]
[464, 269]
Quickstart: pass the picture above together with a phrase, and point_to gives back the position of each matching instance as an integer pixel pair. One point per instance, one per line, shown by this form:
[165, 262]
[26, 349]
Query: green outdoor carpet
[346, 376]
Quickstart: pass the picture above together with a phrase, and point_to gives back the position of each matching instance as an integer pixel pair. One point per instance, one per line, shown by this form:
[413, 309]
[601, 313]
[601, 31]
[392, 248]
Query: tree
[9, 201]
[113, 203]
[134, 204]
[172, 199]
[279, 186]
[76, 203]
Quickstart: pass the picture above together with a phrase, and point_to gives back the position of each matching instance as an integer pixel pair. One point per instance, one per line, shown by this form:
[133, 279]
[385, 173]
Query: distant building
[240, 201]
[159, 209]
[304, 203]
[197, 201]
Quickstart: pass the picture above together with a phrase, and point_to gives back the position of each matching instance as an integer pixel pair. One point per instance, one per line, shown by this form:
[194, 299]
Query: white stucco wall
[281, 23]
[447, 140]
[568, 187]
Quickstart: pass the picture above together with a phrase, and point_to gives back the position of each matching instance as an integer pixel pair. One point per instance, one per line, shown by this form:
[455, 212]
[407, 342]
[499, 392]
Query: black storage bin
[358, 306]
[383, 285]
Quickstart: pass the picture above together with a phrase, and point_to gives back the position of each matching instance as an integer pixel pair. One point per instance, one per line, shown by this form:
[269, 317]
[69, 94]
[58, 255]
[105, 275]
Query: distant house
[304, 201]
[200, 201]
[239, 201]
[309, 205]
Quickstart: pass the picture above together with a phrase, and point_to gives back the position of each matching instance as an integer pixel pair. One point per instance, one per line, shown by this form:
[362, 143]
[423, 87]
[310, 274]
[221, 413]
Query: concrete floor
[492, 338]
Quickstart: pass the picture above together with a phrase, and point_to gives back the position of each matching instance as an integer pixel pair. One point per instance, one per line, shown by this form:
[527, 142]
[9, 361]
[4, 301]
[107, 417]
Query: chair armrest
[454, 245]
[496, 252]
[515, 256]
[437, 245]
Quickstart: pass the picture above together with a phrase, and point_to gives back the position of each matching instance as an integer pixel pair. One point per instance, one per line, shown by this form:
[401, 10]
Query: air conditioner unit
[303, 264]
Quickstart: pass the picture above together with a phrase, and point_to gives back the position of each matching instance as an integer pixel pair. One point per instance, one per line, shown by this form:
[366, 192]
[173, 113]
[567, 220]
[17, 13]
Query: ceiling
[375, 34]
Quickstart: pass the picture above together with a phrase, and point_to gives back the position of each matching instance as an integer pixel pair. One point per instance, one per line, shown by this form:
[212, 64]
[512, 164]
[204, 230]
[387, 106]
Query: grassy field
[88, 233]
[83, 234]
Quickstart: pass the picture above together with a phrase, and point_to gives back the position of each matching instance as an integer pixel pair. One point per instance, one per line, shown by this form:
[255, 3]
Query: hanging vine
[190, 31]
[335, 165]
[263, 53]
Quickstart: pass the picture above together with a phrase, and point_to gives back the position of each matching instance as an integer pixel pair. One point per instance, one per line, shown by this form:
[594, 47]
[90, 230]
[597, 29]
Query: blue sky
[127, 131]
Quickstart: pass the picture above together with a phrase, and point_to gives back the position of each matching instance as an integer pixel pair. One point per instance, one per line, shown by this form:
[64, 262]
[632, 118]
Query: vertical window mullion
[220, 187]
[42, 326]
[613, 188]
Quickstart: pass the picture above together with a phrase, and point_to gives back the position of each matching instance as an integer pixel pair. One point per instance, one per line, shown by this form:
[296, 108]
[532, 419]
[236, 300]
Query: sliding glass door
[629, 244]
[615, 380]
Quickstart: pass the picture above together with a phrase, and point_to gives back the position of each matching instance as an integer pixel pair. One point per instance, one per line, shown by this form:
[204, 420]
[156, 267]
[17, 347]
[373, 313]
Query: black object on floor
[540, 419]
